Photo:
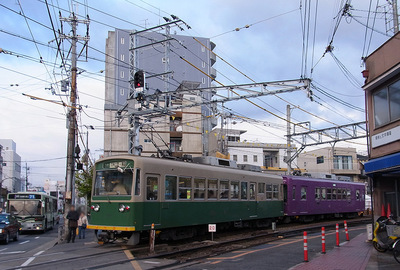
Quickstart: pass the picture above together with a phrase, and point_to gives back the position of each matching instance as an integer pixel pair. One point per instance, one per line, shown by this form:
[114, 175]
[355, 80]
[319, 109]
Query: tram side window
[357, 194]
[137, 182]
[252, 191]
[349, 194]
[294, 193]
[212, 189]
[152, 188]
[261, 188]
[323, 194]
[224, 189]
[185, 188]
[318, 193]
[269, 192]
[243, 190]
[329, 194]
[339, 194]
[234, 190]
[199, 188]
[275, 192]
[170, 187]
[334, 194]
[303, 193]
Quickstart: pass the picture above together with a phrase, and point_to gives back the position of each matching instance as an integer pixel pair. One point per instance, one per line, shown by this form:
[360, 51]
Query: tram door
[152, 206]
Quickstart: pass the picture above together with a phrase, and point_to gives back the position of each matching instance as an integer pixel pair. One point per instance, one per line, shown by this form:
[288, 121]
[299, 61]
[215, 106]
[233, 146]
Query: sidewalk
[357, 254]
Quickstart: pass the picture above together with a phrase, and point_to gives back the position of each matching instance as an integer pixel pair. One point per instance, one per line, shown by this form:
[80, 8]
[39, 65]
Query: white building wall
[254, 155]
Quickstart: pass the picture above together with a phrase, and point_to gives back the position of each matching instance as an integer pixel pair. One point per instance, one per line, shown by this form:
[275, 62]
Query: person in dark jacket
[72, 217]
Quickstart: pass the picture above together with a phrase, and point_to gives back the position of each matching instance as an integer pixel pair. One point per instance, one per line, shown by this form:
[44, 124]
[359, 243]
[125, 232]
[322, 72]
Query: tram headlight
[95, 207]
[121, 208]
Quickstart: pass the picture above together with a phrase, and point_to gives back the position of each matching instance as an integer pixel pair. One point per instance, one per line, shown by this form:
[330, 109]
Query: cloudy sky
[270, 49]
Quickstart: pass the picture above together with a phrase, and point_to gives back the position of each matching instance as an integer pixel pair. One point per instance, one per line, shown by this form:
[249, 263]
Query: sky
[270, 49]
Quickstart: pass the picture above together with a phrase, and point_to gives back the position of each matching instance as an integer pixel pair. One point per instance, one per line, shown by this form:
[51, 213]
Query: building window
[387, 104]
[122, 91]
[244, 158]
[122, 40]
[122, 57]
[122, 74]
[147, 140]
[320, 159]
[203, 80]
[255, 159]
[203, 64]
[234, 157]
[343, 162]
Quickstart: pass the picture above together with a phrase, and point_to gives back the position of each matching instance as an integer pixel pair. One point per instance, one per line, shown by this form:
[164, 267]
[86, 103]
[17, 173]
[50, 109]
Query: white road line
[28, 261]
[151, 262]
[3, 249]
[37, 237]
[11, 252]
[37, 254]
[24, 242]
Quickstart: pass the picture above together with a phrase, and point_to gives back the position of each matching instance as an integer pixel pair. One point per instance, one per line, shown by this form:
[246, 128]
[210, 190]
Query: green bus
[36, 211]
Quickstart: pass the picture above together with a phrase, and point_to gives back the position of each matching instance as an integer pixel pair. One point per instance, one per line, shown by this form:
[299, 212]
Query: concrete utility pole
[72, 125]
[288, 141]
[395, 17]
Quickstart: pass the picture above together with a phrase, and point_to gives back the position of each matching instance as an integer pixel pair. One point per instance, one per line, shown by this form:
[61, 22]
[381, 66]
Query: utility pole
[73, 21]
[395, 17]
[26, 176]
[288, 141]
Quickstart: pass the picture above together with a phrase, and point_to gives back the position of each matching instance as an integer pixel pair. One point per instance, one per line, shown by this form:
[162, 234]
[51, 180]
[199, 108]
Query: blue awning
[383, 164]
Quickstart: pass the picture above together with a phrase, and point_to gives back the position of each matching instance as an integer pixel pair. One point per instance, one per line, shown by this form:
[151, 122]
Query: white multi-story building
[11, 166]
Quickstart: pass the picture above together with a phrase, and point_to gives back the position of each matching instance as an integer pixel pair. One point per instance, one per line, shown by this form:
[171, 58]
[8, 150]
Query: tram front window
[113, 183]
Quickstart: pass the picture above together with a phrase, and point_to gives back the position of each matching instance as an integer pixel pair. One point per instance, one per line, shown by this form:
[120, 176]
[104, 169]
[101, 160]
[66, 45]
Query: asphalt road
[17, 253]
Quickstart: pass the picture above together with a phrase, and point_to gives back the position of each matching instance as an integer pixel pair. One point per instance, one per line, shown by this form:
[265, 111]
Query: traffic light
[138, 79]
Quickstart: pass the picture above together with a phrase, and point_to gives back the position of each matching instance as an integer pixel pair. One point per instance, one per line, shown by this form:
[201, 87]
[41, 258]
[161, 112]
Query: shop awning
[383, 164]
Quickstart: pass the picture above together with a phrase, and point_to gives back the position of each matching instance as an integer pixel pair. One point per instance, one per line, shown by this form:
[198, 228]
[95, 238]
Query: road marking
[3, 249]
[130, 256]
[37, 237]
[151, 262]
[215, 262]
[11, 252]
[37, 254]
[28, 261]
[27, 241]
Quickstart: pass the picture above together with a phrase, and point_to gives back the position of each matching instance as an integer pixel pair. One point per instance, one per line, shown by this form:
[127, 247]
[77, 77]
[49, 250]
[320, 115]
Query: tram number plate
[212, 227]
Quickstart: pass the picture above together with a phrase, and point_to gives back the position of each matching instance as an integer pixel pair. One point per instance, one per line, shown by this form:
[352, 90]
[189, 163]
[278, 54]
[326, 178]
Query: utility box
[369, 232]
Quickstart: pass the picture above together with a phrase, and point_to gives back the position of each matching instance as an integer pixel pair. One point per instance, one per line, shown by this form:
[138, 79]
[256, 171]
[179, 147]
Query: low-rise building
[11, 166]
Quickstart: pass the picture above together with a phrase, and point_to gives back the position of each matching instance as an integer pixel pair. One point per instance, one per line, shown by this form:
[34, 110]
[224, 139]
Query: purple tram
[308, 199]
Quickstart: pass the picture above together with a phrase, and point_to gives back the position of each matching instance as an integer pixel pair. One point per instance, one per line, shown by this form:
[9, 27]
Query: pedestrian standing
[72, 217]
[82, 224]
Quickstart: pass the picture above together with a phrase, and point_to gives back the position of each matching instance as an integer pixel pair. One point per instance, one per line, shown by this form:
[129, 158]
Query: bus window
[275, 192]
[152, 188]
[212, 189]
[185, 188]
[294, 193]
[303, 192]
[170, 187]
[137, 182]
[243, 191]
[269, 192]
[323, 194]
[234, 190]
[224, 189]
[252, 191]
[199, 188]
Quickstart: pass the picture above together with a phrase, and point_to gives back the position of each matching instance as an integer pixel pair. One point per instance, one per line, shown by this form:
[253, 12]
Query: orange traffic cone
[388, 211]
[383, 214]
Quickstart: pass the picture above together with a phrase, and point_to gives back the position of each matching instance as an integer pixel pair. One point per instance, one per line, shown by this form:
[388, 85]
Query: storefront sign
[385, 137]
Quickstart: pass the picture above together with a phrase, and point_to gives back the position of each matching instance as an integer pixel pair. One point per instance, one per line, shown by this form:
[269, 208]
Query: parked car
[9, 228]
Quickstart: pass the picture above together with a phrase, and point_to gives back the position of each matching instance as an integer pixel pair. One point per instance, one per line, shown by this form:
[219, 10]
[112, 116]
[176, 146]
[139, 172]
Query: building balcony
[213, 59]
[213, 73]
